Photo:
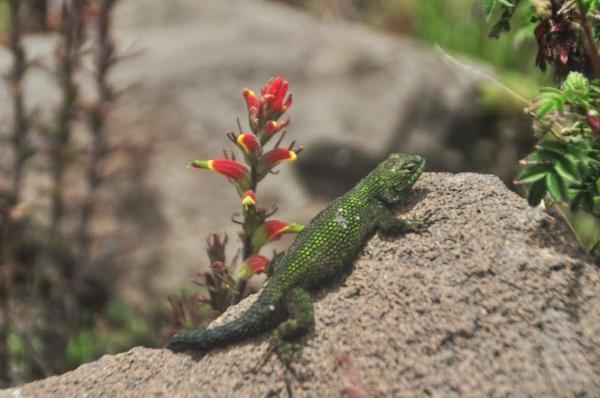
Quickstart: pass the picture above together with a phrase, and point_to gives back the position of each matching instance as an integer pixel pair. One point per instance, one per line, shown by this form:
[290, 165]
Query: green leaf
[581, 167]
[576, 202]
[533, 173]
[567, 170]
[544, 109]
[488, 8]
[548, 157]
[553, 146]
[556, 187]
[503, 24]
[537, 192]
[588, 203]
[548, 100]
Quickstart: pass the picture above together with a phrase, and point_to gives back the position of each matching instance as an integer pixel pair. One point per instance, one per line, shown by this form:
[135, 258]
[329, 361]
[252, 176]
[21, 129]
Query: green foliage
[121, 327]
[576, 93]
[507, 10]
[455, 25]
[565, 165]
[445, 23]
[565, 171]
[16, 346]
[591, 5]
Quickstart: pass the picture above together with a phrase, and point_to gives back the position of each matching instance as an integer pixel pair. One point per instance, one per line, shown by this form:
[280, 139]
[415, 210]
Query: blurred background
[101, 217]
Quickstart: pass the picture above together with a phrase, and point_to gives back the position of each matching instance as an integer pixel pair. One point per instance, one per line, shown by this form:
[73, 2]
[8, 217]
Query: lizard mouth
[415, 167]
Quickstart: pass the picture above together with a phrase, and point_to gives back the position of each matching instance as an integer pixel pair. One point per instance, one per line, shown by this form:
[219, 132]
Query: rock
[496, 300]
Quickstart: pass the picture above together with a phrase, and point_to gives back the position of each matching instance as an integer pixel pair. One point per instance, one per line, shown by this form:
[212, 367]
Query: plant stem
[5, 293]
[587, 30]
[38, 14]
[68, 54]
[20, 151]
[247, 250]
[104, 60]
[20, 127]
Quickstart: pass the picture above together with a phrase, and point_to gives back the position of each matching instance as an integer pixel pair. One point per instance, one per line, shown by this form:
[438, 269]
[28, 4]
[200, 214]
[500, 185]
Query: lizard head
[396, 176]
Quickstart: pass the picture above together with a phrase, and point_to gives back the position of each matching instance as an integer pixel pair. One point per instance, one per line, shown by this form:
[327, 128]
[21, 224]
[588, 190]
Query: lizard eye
[389, 164]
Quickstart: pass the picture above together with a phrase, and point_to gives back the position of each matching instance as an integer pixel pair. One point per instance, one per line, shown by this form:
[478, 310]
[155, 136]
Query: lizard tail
[260, 317]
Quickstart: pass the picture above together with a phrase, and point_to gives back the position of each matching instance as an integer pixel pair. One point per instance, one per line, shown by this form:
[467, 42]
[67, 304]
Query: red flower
[231, 169]
[278, 155]
[255, 264]
[275, 228]
[273, 158]
[258, 263]
[249, 143]
[276, 94]
[251, 100]
[264, 111]
[274, 127]
[272, 230]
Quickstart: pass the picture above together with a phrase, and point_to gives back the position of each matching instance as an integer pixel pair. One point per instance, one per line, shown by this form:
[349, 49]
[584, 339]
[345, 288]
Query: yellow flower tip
[295, 228]
[293, 156]
[245, 272]
[201, 164]
[248, 201]
[240, 141]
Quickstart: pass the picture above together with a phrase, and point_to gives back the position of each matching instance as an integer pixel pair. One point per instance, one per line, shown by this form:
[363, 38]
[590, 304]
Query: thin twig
[498, 84]
[591, 43]
[479, 73]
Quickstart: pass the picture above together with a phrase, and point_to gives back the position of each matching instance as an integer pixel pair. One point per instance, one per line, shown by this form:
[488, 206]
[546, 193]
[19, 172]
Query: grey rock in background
[495, 300]
[358, 95]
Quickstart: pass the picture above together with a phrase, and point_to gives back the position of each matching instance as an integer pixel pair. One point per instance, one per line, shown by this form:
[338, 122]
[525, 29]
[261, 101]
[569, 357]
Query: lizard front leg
[301, 320]
[390, 225]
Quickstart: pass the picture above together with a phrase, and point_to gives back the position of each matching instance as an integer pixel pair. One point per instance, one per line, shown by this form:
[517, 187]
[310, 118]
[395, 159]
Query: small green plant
[224, 286]
[565, 164]
[564, 167]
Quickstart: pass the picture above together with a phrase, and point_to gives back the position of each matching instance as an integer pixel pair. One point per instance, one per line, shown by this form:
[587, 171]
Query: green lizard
[319, 253]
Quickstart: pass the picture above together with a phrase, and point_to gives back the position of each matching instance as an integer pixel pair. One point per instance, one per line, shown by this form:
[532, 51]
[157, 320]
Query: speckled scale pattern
[331, 240]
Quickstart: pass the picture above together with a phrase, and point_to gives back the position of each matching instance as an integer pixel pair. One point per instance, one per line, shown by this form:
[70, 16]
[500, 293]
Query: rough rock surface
[496, 300]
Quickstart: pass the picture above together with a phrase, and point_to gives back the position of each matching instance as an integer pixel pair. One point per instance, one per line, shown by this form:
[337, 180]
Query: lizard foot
[421, 224]
[285, 343]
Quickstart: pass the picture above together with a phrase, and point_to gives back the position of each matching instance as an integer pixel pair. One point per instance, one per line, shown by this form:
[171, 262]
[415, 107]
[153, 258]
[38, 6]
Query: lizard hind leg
[301, 320]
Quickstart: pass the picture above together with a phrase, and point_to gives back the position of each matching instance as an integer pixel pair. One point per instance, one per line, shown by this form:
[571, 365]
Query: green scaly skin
[320, 252]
